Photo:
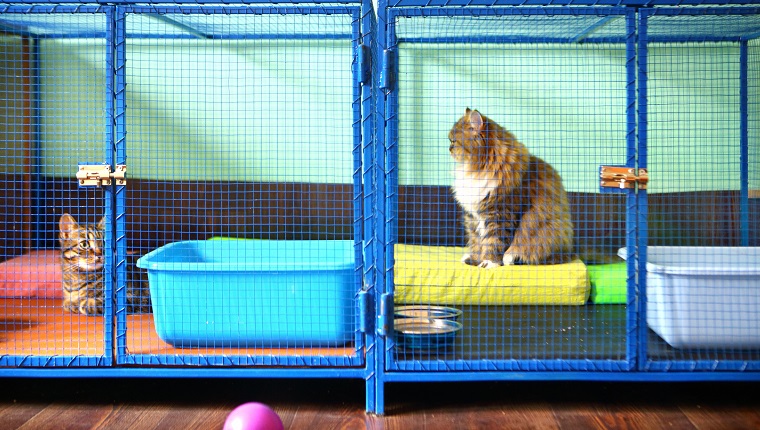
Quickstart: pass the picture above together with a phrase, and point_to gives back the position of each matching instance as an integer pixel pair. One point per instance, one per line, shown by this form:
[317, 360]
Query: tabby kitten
[82, 265]
[515, 208]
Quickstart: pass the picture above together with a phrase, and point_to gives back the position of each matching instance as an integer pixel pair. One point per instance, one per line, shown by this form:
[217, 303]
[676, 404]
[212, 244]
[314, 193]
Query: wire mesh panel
[55, 281]
[701, 86]
[504, 119]
[243, 143]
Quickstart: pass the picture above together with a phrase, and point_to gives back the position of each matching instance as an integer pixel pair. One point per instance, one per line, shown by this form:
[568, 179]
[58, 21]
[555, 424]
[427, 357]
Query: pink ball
[253, 416]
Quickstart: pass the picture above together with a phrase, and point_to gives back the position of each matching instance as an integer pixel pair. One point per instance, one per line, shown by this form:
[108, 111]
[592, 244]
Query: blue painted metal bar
[10, 29]
[506, 39]
[574, 376]
[435, 3]
[184, 372]
[701, 39]
[68, 362]
[584, 35]
[322, 361]
[510, 365]
[85, 35]
[186, 28]
[196, 372]
[676, 11]
[243, 36]
[640, 254]
[356, 174]
[52, 7]
[744, 144]
[556, 3]
[365, 212]
[744, 367]
[632, 321]
[751, 36]
[521, 11]
[117, 109]
[383, 246]
[244, 10]
[110, 277]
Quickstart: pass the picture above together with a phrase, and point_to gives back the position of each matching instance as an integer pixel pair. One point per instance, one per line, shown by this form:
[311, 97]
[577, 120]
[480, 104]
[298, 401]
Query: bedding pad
[35, 274]
[435, 275]
[609, 283]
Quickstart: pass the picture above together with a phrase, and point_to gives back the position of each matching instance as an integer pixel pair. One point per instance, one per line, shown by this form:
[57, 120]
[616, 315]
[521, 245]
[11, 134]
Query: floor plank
[203, 404]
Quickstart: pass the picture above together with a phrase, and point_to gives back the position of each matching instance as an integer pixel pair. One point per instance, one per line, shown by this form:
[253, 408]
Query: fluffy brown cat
[515, 207]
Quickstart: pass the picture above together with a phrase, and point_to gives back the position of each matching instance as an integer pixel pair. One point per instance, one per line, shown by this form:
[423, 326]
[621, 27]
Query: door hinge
[365, 64]
[387, 76]
[623, 177]
[385, 315]
[99, 175]
[366, 312]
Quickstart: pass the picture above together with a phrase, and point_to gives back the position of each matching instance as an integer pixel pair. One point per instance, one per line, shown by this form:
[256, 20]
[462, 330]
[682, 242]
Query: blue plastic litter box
[252, 293]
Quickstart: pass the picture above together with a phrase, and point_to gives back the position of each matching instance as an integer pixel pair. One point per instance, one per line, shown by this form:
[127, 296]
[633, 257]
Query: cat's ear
[67, 225]
[102, 224]
[476, 120]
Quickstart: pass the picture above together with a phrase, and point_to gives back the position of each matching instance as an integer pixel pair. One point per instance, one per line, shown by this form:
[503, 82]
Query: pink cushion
[36, 274]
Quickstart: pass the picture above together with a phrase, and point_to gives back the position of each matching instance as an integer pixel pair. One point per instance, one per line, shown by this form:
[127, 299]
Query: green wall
[568, 105]
[544, 94]
[11, 106]
[209, 110]
[281, 110]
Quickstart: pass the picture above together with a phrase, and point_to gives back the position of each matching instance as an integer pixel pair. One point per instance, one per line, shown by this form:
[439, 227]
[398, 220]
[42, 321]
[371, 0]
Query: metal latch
[97, 175]
[623, 177]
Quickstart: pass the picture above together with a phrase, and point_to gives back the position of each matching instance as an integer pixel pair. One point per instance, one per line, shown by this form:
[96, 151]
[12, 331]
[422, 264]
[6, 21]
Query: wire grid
[241, 139]
[567, 103]
[53, 103]
[702, 294]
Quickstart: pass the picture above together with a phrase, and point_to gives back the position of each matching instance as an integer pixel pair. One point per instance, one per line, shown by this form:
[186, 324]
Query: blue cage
[648, 115]
[272, 189]
[215, 154]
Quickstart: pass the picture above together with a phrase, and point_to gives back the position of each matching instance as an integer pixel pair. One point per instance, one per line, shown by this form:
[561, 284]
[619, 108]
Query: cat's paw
[488, 264]
[509, 259]
[467, 259]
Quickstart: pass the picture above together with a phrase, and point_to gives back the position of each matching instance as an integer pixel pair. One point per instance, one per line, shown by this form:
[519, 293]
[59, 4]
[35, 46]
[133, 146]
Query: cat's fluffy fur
[515, 207]
[82, 262]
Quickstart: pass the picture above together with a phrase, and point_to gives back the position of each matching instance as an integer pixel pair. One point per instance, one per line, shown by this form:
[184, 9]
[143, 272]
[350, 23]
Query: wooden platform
[41, 327]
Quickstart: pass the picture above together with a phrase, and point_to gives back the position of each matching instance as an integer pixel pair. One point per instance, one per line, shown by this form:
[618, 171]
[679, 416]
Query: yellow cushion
[435, 275]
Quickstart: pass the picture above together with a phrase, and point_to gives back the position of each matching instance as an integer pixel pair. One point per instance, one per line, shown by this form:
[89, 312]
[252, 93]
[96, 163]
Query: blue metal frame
[556, 3]
[369, 185]
[653, 364]
[642, 210]
[468, 367]
[633, 312]
[375, 183]
[744, 143]
[106, 357]
[357, 358]
[118, 49]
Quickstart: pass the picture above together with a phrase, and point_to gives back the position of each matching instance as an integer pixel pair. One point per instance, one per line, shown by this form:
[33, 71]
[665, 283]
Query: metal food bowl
[426, 333]
[427, 311]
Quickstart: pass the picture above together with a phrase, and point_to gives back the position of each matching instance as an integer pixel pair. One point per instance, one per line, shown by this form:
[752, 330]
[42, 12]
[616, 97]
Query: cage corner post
[633, 323]
[117, 108]
[379, 204]
[640, 205]
[366, 214]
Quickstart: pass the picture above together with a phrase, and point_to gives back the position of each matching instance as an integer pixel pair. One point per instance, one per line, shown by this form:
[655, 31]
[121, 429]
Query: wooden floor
[339, 404]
